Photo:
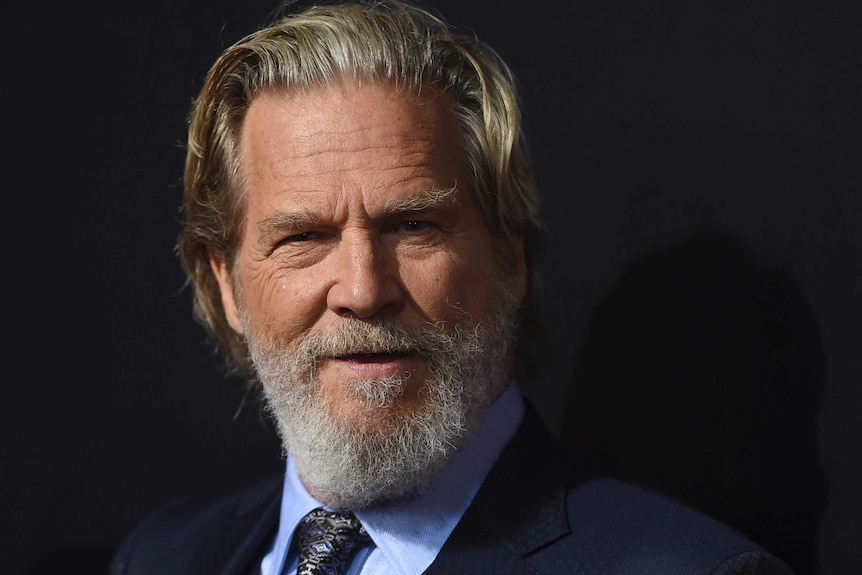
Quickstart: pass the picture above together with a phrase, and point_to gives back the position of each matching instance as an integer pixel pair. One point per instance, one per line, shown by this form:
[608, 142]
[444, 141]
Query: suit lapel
[519, 508]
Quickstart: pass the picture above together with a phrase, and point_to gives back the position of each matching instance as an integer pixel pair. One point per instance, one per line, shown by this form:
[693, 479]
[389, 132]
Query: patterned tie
[327, 541]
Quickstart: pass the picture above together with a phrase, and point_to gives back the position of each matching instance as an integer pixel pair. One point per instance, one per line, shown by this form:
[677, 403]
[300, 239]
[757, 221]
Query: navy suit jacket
[538, 511]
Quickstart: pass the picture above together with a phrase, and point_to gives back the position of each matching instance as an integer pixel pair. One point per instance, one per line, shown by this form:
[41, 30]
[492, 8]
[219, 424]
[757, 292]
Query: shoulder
[623, 528]
[172, 538]
[562, 514]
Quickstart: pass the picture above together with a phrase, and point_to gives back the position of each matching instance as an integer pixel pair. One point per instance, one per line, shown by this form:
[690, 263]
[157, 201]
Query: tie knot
[327, 542]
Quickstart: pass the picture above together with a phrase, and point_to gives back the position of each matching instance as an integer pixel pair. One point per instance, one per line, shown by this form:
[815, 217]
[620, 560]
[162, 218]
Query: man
[361, 235]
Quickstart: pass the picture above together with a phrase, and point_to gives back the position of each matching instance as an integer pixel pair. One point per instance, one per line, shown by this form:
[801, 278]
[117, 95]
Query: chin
[380, 420]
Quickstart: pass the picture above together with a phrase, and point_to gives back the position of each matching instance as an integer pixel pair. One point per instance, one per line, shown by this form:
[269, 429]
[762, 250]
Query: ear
[519, 266]
[225, 283]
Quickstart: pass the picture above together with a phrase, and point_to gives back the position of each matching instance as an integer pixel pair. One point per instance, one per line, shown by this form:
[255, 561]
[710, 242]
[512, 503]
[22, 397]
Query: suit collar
[520, 508]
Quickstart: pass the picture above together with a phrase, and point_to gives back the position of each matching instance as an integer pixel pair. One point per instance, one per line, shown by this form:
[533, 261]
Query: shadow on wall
[700, 376]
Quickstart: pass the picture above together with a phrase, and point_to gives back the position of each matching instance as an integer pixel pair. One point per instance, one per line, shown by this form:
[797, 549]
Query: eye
[414, 225]
[301, 237]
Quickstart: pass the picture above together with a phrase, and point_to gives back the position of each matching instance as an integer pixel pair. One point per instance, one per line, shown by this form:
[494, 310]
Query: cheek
[455, 288]
[278, 303]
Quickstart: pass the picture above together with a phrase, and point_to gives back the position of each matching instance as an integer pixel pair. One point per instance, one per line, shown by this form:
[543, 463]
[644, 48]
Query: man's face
[360, 215]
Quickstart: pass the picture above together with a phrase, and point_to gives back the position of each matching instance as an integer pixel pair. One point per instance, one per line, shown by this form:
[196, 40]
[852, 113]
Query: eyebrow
[276, 224]
[426, 200]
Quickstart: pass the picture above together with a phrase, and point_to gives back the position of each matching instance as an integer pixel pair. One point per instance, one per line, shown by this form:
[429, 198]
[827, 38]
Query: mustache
[383, 336]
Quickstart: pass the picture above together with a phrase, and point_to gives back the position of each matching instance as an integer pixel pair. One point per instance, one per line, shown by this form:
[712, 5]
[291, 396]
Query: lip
[375, 365]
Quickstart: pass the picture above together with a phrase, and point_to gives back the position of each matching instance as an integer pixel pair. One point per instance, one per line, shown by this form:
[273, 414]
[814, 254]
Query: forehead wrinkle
[323, 144]
[411, 161]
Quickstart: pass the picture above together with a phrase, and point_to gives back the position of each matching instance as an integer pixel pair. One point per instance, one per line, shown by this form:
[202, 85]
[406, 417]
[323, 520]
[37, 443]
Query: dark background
[701, 165]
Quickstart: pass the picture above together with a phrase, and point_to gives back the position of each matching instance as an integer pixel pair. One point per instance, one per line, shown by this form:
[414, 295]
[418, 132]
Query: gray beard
[346, 466]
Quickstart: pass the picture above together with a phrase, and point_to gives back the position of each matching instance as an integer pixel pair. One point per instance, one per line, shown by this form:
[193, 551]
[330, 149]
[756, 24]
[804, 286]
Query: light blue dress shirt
[408, 535]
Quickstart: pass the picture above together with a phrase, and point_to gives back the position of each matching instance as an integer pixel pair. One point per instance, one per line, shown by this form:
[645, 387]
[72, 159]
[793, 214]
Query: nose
[366, 283]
